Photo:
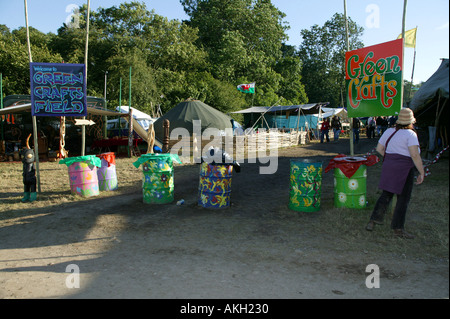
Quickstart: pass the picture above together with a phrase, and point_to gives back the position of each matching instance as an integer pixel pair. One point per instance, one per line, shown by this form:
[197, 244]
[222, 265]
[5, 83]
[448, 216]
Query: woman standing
[400, 148]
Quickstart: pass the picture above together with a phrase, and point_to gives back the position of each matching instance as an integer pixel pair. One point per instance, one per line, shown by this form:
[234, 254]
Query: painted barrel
[83, 178]
[106, 174]
[158, 182]
[350, 192]
[214, 190]
[305, 185]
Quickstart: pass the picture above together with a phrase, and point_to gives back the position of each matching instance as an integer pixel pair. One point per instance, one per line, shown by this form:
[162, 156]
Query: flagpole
[405, 2]
[414, 64]
[348, 49]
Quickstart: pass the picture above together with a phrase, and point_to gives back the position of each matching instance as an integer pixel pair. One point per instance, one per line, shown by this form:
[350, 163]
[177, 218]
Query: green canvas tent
[186, 112]
[431, 105]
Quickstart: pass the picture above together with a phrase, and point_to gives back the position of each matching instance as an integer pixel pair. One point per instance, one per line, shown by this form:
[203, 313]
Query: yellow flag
[410, 38]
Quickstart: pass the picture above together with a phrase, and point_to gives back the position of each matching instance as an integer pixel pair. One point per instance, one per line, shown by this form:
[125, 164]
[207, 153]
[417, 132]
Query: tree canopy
[221, 45]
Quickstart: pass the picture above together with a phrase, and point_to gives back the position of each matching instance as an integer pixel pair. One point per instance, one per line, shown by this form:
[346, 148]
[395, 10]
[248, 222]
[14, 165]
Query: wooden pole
[352, 152]
[130, 131]
[166, 126]
[1, 102]
[83, 127]
[150, 139]
[405, 2]
[33, 118]
[130, 124]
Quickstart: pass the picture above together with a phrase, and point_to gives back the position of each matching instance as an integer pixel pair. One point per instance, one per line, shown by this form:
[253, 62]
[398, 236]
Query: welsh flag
[247, 88]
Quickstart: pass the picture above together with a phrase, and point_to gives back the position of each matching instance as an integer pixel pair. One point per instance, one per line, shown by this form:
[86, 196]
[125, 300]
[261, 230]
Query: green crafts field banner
[373, 79]
[58, 89]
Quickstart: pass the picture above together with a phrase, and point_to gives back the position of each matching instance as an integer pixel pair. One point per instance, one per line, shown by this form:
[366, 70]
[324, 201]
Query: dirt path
[258, 248]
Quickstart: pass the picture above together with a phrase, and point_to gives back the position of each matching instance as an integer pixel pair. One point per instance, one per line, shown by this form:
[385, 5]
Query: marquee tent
[183, 115]
[288, 116]
[430, 104]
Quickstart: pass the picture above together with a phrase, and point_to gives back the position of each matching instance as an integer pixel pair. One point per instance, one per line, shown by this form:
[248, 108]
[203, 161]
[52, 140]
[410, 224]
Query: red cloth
[349, 168]
[109, 157]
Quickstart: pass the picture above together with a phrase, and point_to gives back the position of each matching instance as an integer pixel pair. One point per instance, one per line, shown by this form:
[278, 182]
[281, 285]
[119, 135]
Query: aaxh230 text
[228, 309]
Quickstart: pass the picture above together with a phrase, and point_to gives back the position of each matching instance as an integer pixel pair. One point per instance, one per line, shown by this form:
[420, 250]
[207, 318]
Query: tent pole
[33, 118]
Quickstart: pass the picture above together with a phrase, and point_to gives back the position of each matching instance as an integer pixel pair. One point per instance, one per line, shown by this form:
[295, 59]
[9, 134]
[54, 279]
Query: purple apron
[394, 172]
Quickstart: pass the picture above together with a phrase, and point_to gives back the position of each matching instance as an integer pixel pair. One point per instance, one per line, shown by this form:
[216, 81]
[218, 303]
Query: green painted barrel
[157, 182]
[305, 185]
[350, 192]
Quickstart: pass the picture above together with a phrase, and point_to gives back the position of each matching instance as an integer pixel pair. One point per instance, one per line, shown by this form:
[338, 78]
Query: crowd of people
[375, 127]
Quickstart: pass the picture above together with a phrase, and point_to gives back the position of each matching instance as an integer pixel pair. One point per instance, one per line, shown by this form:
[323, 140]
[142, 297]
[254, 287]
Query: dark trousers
[382, 204]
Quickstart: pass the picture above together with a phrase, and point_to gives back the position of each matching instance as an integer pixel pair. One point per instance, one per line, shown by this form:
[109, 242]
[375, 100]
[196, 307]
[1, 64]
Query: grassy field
[427, 217]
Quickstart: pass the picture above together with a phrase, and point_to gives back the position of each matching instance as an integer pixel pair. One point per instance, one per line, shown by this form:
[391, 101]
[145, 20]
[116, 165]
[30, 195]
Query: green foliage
[222, 45]
[323, 54]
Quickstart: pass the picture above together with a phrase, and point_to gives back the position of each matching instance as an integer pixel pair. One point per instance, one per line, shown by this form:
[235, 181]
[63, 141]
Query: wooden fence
[260, 141]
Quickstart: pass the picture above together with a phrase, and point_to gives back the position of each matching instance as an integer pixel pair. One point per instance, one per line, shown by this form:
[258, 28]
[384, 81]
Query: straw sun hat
[406, 117]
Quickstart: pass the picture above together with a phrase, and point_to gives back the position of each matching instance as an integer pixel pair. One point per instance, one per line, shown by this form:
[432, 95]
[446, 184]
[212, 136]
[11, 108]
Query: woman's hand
[419, 179]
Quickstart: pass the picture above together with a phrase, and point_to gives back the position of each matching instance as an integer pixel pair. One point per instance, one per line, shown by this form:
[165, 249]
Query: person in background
[336, 126]
[356, 127]
[384, 124]
[378, 122]
[400, 148]
[371, 124]
[324, 129]
[392, 120]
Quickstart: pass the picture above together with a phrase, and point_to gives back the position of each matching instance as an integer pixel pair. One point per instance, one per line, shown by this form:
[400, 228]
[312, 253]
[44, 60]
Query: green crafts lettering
[368, 67]
[368, 79]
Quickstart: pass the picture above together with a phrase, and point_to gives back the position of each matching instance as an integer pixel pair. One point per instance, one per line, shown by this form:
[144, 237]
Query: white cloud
[442, 27]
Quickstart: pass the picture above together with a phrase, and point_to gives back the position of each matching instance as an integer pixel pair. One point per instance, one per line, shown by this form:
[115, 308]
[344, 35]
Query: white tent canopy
[142, 118]
[278, 108]
[329, 112]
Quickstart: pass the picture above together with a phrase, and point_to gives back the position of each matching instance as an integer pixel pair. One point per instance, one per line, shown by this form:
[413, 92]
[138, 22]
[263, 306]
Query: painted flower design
[342, 197]
[353, 184]
[362, 200]
[307, 201]
[163, 178]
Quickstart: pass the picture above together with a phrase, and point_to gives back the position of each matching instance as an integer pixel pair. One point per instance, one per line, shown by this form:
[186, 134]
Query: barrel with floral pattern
[157, 183]
[350, 192]
[305, 185]
[214, 189]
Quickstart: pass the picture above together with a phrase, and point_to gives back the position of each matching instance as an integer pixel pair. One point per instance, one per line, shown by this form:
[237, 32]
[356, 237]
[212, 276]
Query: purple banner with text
[58, 89]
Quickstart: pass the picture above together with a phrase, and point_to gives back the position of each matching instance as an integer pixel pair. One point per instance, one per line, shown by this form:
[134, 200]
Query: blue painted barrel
[214, 189]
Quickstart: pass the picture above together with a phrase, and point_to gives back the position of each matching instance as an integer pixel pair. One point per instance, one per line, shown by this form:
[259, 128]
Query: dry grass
[427, 217]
